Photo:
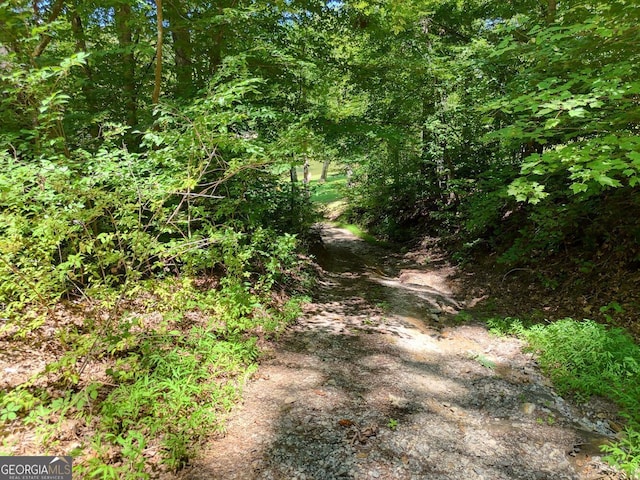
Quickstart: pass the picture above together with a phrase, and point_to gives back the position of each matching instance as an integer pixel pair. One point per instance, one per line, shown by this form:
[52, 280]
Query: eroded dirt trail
[372, 383]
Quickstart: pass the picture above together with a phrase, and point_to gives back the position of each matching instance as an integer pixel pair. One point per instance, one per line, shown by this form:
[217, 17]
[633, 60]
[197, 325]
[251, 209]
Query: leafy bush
[181, 386]
[196, 192]
[168, 385]
[135, 218]
[589, 357]
[625, 453]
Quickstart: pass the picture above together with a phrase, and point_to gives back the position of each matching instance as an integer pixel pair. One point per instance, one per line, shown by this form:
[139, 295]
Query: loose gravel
[377, 381]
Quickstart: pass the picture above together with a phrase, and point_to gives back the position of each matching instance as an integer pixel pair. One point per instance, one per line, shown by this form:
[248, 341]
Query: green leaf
[635, 158]
[577, 112]
[579, 187]
[551, 123]
[606, 180]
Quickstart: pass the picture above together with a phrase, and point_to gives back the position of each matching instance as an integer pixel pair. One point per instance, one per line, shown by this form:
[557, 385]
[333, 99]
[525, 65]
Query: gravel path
[377, 382]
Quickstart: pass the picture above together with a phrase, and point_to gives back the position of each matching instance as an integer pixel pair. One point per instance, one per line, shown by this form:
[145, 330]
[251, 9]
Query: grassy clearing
[587, 358]
[315, 170]
[325, 192]
[330, 191]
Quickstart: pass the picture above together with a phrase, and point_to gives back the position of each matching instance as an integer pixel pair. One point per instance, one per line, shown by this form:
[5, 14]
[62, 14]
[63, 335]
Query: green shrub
[589, 357]
[127, 221]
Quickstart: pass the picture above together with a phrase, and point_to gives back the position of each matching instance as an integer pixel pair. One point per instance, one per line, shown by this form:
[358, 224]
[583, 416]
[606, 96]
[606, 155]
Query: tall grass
[586, 358]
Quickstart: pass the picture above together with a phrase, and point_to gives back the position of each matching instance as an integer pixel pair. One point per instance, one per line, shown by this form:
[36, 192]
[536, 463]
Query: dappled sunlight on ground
[377, 381]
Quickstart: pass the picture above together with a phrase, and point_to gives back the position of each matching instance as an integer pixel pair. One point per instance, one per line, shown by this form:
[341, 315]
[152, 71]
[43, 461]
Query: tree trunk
[428, 166]
[88, 89]
[215, 53]
[307, 177]
[182, 48]
[216, 34]
[325, 171]
[452, 197]
[552, 8]
[293, 172]
[307, 174]
[123, 31]
[441, 170]
[394, 159]
[158, 75]
[349, 173]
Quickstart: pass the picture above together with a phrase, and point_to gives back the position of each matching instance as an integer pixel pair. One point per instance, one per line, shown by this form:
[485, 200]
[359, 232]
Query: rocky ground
[381, 379]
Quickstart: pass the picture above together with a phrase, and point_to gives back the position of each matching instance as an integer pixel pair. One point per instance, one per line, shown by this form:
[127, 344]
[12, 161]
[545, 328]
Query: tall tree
[123, 23]
[180, 28]
[158, 71]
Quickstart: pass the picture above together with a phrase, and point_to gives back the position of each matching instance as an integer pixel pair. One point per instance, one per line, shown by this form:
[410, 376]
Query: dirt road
[377, 381]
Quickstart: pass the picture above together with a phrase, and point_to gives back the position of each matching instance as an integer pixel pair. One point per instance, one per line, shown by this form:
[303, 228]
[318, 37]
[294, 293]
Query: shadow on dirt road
[375, 381]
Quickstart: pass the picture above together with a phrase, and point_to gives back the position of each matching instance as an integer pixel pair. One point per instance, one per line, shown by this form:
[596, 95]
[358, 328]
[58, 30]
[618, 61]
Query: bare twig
[515, 270]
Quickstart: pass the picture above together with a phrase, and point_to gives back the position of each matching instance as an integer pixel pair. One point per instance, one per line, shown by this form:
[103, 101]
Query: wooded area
[148, 156]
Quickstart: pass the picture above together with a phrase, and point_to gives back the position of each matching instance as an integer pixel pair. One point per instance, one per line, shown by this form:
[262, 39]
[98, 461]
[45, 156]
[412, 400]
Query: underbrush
[139, 273]
[134, 391]
[584, 359]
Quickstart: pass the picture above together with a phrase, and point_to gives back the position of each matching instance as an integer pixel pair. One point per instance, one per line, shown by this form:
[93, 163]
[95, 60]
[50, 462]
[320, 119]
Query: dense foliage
[511, 125]
[145, 142]
[120, 185]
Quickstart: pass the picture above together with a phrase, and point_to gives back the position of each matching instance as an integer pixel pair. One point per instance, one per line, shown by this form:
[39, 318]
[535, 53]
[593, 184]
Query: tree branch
[46, 38]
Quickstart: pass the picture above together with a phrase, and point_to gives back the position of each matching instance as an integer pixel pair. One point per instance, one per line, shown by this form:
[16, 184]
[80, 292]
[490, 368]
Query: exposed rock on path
[375, 382]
